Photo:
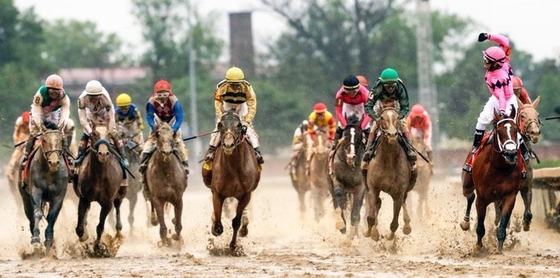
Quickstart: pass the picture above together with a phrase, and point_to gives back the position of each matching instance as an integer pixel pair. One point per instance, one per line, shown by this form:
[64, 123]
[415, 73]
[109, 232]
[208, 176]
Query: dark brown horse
[318, 155]
[234, 172]
[126, 133]
[422, 186]
[496, 177]
[391, 172]
[166, 180]
[45, 181]
[99, 180]
[300, 181]
[346, 182]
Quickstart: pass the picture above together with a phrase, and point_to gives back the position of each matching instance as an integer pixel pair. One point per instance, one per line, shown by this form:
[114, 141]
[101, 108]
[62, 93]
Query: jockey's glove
[482, 37]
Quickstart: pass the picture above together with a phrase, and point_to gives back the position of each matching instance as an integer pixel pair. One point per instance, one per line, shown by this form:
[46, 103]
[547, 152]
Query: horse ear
[536, 102]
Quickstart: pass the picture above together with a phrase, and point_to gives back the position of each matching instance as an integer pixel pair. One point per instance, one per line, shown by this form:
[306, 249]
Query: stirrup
[467, 168]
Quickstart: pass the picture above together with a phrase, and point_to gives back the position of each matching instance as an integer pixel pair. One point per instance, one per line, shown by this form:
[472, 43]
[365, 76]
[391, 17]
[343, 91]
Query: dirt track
[281, 243]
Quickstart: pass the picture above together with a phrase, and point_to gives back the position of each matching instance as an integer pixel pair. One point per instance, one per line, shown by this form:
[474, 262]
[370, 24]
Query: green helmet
[389, 75]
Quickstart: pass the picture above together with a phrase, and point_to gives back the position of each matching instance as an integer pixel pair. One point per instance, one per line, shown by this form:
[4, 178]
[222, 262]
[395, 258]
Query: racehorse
[166, 181]
[318, 170]
[45, 180]
[529, 123]
[234, 172]
[391, 172]
[98, 180]
[126, 134]
[496, 177]
[425, 173]
[300, 181]
[346, 181]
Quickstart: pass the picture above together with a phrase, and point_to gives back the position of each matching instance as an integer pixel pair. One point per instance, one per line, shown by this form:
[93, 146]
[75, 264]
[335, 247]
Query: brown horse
[496, 177]
[300, 181]
[425, 173]
[391, 172]
[45, 180]
[166, 181]
[234, 172]
[346, 182]
[98, 180]
[318, 154]
[126, 133]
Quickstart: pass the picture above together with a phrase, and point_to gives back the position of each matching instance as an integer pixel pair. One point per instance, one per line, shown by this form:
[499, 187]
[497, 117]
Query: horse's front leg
[374, 206]
[339, 202]
[105, 210]
[236, 222]
[37, 215]
[83, 208]
[178, 206]
[357, 202]
[527, 196]
[480, 229]
[465, 224]
[117, 204]
[217, 202]
[159, 207]
[52, 216]
[397, 205]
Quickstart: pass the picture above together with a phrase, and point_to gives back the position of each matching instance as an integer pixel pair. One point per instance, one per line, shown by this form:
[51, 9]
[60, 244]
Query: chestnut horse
[529, 123]
[496, 177]
[300, 181]
[166, 181]
[317, 155]
[234, 172]
[425, 173]
[45, 180]
[391, 172]
[346, 181]
[98, 180]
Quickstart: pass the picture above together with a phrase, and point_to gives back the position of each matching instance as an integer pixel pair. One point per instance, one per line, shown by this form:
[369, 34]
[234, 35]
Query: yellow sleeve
[251, 104]
[218, 102]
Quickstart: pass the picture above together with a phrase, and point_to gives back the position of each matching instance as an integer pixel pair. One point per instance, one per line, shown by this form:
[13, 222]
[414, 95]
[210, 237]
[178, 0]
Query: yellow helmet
[234, 74]
[124, 100]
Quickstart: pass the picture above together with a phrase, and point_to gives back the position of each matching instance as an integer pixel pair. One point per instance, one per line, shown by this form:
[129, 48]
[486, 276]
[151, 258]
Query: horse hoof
[407, 230]
[375, 235]
[217, 230]
[367, 233]
[391, 236]
[84, 238]
[244, 231]
[465, 225]
[526, 227]
[35, 240]
[176, 237]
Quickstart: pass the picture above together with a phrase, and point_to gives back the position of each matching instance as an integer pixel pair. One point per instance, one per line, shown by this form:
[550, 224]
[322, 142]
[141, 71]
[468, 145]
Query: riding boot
[337, 136]
[368, 155]
[80, 158]
[526, 155]
[143, 163]
[260, 159]
[122, 155]
[28, 148]
[210, 153]
[409, 151]
[185, 164]
[478, 134]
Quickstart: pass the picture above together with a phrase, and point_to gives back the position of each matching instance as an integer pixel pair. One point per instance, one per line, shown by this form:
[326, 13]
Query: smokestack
[241, 42]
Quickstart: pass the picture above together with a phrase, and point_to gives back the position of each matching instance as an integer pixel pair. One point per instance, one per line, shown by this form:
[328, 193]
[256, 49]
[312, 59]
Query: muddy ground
[284, 243]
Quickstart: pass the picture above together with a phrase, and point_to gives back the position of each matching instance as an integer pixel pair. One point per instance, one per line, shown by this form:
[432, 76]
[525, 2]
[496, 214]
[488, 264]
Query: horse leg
[117, 204]
[218, 202]
[236, 222]
[244, 231]
[465, 225]
[527, 196]
[52, 216]
[397, 205]
[480, 229]
[406, 217]
[83, 208]
[357, 202]
[37, 215]
[498, 212]
[340, 203]
[301, 198]
[374, 206]
[105, 209]
[178, 206]
[132, 201]
[158, 205]
[501, 230]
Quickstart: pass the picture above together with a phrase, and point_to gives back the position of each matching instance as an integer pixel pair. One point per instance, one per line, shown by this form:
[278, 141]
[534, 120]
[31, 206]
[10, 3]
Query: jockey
[21, 134]
[95, 106]
[350, 100]
[234, 92]
[419, 121]
[49, 103]
[363, 80]
[320, 118]
[297, 144]
[499, 81]
[164, 105]
[520, 91]
[388, 88]
[129, 115]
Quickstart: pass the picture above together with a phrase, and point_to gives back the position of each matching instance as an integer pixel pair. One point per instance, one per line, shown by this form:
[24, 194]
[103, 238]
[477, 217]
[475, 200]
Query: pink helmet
[417, 109]
[54, 81]
[494, 54]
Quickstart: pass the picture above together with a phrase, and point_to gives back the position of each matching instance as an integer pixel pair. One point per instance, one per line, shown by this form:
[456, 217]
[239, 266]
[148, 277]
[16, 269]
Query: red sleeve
[524, 96]
[338, 102]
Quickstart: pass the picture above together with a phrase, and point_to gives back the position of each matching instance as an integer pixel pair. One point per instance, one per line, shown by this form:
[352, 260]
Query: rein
[498, 139]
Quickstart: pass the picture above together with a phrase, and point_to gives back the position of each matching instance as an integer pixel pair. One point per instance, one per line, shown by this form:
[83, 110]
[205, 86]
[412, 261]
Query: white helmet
[94, 87]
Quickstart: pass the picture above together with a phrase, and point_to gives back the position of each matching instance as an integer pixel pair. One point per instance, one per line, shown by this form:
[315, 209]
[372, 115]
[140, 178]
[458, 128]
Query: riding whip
[199, 135]
[25, 141]
[552, 118]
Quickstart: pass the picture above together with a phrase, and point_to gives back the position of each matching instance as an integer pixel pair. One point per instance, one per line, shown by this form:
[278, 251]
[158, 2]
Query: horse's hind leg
[52, 216]
[178, 206]
[527, 196]
[83, 208]
[244, 231]
[236, 222]
[465, 224]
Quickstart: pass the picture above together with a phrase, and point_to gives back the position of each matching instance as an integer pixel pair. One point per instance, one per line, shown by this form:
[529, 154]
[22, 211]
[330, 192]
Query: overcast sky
[529, 23]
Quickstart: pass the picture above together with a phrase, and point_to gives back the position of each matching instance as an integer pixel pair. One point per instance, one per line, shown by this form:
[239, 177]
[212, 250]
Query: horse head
[320, 140]
[52, 145]
[353, 137]
[388, 122]
[528, 120]
[231, 130]
[101, 143]
[505, 139]
[165, 141]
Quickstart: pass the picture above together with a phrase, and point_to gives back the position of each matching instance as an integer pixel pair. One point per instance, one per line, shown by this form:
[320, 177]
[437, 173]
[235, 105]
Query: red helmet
[25, 116]
[417, 109]
[517, 82]
[162, 85]
[320, 108]
[363, 80]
